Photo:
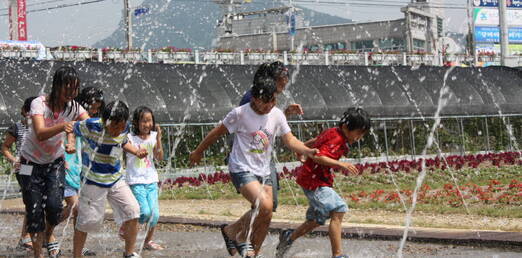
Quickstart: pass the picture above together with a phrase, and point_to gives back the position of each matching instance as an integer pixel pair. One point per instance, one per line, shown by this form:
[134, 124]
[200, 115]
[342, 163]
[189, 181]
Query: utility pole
[504, 39]
[128, 19]
[471, 43]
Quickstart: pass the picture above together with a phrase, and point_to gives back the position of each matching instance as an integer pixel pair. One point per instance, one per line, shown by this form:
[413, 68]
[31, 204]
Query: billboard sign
[489, 16]
[22, 26]
[494, 3]
[492, 34]
[495, 48]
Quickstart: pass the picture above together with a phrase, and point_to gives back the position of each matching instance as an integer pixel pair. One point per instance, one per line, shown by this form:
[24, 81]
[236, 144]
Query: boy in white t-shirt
[255, 126]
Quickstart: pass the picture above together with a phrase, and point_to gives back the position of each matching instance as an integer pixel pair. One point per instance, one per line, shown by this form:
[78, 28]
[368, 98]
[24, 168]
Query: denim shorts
[323, 201]
[239, 179]
[69, 191]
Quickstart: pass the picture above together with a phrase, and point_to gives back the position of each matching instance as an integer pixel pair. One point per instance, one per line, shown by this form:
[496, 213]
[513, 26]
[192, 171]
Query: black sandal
[53, 246]
[244, 248]
[229, 243]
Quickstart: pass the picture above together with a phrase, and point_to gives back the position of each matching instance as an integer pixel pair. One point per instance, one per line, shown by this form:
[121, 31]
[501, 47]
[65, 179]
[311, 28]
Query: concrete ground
[196, 241]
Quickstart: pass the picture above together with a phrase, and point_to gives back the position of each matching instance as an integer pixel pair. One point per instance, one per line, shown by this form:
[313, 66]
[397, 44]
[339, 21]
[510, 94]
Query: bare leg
[304, 229]
[149, 236]
[131, 232]
[78, 242]
[262, 221]
[72, 207]
[334, 231]
[262, 197]
[37, 239]
[24, 233]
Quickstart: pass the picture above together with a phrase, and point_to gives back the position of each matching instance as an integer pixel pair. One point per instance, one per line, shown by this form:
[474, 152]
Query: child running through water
[316, 178]
[103, 142]
[91, 99]
[15, 135]
[255, 126]
[142, 176]
[41, 160]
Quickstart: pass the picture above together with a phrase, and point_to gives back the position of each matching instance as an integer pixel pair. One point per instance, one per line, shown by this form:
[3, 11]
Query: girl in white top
[42, 154]
[142, 176]
[255, 126]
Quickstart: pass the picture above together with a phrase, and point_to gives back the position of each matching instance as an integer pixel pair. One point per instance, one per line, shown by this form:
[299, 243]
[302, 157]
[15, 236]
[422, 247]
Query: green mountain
[189, 24]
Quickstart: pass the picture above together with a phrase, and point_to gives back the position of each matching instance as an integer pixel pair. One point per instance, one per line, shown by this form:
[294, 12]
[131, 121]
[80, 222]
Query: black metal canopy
[205, 93]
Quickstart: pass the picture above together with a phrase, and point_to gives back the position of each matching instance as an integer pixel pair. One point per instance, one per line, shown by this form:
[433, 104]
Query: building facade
[418, 31]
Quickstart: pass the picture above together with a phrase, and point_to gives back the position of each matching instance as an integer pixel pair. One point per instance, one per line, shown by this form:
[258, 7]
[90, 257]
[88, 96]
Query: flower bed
[453, 162]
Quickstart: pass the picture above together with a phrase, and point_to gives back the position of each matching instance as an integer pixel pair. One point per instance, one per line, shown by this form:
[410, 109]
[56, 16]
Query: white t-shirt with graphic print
[142, 171]
[45, 152]
[254, 136]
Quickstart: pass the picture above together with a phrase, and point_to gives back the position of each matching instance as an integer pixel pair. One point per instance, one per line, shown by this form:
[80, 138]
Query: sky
[85, 25]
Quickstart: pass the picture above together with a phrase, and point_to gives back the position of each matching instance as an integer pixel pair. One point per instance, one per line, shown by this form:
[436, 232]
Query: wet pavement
[197, 241]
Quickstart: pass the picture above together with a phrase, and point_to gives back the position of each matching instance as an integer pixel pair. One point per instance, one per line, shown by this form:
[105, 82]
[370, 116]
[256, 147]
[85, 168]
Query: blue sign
[492, 34]
[139, 11]
[292, 28]
[494, 3]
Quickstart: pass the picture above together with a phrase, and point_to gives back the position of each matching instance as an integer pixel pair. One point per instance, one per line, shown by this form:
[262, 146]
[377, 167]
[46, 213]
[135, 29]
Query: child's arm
[212, 137]
[310, 143]
[298, 146]
[327, 161]
[43, 133]
[6, 146]
[70, 147]
[140, 153]
[158, 150]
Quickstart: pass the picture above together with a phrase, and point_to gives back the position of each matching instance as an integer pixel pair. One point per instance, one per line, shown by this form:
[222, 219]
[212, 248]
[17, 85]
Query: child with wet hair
[103, 142]
[255, 126]
[41, 159]
[91, 99]
[316, 179]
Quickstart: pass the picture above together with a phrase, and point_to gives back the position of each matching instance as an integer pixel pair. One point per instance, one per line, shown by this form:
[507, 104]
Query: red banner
[22, 27]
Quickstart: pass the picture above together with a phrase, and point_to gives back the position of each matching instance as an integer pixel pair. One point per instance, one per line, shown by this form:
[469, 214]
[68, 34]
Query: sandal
[88, 252]
[244, 249]
[25, 244]
[229, 243]
[132, 255]
[53, 247]
[153, 246]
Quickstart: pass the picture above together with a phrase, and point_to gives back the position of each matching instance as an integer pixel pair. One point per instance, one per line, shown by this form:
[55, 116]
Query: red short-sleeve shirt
[331, 143]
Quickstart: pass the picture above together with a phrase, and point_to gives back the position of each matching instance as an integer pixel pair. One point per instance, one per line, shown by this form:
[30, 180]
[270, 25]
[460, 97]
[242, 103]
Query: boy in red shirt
[315, 176]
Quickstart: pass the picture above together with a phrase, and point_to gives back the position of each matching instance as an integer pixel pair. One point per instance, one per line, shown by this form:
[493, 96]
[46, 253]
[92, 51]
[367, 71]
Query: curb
[473, 238]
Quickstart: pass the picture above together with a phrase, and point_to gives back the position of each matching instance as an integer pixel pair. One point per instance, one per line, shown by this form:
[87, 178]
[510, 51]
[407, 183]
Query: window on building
[363, 45]
[419, 44]
[335, 46]
[391, 44]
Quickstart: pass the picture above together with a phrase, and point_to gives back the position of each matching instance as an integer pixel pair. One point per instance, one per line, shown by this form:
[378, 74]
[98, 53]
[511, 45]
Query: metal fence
[211, 57]
[389, 139]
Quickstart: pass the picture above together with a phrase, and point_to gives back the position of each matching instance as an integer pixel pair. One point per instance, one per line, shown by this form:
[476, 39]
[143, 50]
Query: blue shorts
[69, 191]
[239, 179]
[323, 201]
[147, 197]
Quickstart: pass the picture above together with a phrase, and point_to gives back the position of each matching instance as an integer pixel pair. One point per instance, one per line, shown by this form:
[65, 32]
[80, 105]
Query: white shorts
[91, 205]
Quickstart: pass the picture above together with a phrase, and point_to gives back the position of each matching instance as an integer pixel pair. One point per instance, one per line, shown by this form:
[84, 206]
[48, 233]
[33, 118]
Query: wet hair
[136, 116]
[274, 70]
[356, 119]
[64, 76]
[264, 88]
[278, 70]
[27, 104]
[116, 112]
[90, 95]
